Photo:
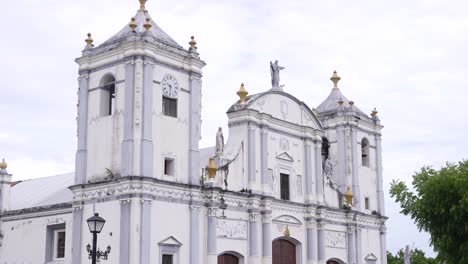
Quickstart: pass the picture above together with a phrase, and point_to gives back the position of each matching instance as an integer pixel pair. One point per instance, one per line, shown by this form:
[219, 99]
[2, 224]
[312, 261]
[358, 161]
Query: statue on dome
[219, 142]
[407, 255]
[275, 71]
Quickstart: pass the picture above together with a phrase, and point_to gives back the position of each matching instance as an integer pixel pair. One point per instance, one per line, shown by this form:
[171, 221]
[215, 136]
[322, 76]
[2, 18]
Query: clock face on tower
[170, 87]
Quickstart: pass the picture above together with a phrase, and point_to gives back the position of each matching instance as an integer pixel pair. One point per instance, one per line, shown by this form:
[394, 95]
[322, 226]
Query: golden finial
[3, 165]
[193, 43]
[374, 113]
[242, 93]
[89, 40]
[212, 168]
[286, 232]
[351, 103]
[348, 196]
[132, 24]
[142, 4]
[341, 102]
[335, 79]
[147, 25]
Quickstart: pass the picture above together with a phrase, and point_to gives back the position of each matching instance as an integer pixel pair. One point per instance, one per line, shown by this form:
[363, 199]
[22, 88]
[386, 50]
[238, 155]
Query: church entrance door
[284, 252]
[332, 262]
[227, 259]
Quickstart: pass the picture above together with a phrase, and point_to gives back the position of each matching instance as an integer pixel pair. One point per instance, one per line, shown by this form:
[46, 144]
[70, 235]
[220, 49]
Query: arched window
[325, 150]
[107, 89]
[365, 152]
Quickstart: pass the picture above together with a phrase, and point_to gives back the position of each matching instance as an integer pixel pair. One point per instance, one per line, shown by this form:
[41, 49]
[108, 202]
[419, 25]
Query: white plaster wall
[370, 242]
[105, 133]
[236, 146]
[171, 135]
[24, 240]
[171, 219]
[367, 175]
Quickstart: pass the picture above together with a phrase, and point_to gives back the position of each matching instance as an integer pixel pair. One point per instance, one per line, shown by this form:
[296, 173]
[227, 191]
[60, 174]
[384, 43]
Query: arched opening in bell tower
[107, 87]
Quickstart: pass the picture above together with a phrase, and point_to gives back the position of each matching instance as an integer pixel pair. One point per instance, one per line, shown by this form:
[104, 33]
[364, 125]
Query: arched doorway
[227, 258]
[284, 252]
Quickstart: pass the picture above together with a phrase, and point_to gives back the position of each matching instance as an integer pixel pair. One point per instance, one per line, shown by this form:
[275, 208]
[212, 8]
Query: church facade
[290, 185]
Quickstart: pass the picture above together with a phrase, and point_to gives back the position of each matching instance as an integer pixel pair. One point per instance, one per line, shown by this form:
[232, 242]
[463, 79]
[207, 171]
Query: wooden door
[227, 259]
[284, 252]
[332, 262]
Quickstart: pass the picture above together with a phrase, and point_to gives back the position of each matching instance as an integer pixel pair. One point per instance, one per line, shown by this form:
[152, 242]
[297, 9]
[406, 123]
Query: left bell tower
[139, 106]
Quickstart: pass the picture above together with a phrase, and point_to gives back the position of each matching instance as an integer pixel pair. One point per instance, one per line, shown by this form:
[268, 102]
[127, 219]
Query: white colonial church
[291, 184]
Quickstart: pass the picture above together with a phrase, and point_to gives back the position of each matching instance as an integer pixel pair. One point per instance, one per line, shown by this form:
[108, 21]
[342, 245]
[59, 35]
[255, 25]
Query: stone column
[147, 123]
[378, 168]
[318, 172]
[309, 181]
[266, 239]
[125, 206]
[351, 245]
[81, 152]
[359, 246]
[128, 113]
[194, 234]
[254, 238]
[355, 177]
[252, 170]
[321, 243]
[211, 236]
[311, 235]
[194, 129]
[264, 160]
[145, 232]
[77, 233]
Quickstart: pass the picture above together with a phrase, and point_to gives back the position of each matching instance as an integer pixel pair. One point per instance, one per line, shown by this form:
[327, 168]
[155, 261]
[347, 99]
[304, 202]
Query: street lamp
[95, 224]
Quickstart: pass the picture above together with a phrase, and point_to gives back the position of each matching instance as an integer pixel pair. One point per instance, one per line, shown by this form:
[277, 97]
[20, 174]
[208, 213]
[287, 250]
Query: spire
[335, 79]
[142, 5]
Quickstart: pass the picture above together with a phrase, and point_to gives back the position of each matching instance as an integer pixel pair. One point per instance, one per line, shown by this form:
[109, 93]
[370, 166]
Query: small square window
[169, 166]
[167, 259]
[169, 106]
[366, 203]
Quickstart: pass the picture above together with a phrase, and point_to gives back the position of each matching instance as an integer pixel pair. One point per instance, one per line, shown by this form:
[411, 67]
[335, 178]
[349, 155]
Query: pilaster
[341, 158]
[351, 244]
[378, 169]
[254, 237]
[194, 234]
[145, 232]
[321, 242]
[266, 239]
[77, 233]
[251, 155]
[383, 244]
[128, 113]
[309, 181]
[194, 129]
[264, 160]
[82, 120]
[211, 236]
[355, 165]
[318, 172]
[147, 123]
[311, 242]
[125, 206]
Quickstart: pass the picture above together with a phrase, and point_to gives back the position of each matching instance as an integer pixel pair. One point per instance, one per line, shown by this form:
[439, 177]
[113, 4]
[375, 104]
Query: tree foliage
[439, 205]
[418, 257]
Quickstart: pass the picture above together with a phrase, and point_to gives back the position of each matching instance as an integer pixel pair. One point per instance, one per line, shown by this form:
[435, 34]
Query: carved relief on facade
[234, 229]
[335, 239]
[284, 144]
[284, 109]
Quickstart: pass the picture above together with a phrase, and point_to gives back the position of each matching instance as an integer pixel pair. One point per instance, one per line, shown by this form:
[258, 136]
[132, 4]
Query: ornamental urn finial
[193, 43]
[132, 24]
[242, 93]
[3, 165]
[335, 79]
[374, 113]
[348, 196]
[89, 40]
[341, 102]
[212, 168]
[147, 24]
[142, 4]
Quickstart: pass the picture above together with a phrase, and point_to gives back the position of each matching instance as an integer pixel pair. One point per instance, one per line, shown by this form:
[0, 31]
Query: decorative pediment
[170, 241]
[287, 219]
[285, 156]
[370, 257]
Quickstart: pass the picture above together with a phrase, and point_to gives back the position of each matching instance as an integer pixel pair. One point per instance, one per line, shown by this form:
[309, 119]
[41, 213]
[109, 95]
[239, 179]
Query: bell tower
[139, 105]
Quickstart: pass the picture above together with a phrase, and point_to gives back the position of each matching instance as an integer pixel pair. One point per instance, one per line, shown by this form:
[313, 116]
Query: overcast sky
[407, 58]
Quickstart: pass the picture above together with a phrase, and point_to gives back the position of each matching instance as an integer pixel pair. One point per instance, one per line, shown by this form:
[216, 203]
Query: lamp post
[95, 224]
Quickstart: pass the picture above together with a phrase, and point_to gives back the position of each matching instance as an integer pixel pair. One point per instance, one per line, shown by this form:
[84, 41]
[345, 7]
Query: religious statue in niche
[275, 71]
[407, 256]
[219, 142]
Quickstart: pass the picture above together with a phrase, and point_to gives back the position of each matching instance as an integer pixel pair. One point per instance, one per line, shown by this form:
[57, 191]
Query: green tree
[418, 257]
[439, 205]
